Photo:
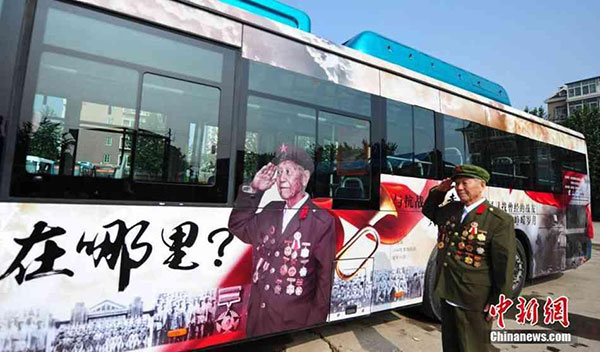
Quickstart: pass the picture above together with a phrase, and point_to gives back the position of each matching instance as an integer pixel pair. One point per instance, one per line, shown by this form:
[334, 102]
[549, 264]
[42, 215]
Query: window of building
[106, 158]
[108, 141]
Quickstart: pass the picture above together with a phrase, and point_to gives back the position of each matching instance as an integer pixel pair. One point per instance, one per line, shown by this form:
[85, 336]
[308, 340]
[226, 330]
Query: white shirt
[468, 209]
[288, 213]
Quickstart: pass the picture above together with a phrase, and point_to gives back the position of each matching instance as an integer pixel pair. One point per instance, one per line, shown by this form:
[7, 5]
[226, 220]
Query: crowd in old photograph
[23, 331]
[111, 334]
[193, 316]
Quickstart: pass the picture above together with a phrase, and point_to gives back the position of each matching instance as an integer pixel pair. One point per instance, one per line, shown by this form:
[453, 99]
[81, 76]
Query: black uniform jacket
[475, 258]
[292, 271]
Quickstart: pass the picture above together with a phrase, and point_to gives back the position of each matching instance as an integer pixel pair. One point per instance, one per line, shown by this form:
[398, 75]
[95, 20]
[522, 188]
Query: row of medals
[467, 236]
[288, 254]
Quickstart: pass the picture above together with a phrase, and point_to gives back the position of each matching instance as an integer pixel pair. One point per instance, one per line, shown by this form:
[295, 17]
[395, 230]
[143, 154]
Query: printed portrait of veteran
[293, 246]
[475, 258]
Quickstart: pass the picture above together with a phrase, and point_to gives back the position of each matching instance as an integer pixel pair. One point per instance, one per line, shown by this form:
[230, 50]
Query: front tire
[520, 272]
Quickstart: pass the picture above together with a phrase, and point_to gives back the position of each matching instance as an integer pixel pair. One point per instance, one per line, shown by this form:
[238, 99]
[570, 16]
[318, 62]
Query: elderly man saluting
[293, 246]
[475, 259]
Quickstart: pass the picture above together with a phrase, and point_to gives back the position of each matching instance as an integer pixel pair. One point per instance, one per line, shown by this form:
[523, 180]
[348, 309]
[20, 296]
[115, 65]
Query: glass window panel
[344, 145]
[424, 142]
[475, 143]
[269, 124]
[178, 131]
[547, 168]
[593, 88]
[511, 164]
[577, 90]
[399, 139]
[454, 144]
[69, 123]
[279, 82]
[120, 42]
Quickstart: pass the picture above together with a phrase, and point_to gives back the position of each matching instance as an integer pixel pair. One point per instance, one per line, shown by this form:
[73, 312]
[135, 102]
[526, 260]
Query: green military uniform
[475, 262]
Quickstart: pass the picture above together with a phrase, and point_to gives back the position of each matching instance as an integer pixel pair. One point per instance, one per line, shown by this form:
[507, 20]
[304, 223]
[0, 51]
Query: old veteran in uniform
[475, 258]
[293, 246]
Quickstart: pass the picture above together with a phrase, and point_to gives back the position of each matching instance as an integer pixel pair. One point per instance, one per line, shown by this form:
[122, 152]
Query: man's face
[469, 189]
[291, 179]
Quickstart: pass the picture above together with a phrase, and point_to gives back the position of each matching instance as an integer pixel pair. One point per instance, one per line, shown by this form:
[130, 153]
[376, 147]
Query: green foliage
[587, 121]
[45, 141]
[539, 112]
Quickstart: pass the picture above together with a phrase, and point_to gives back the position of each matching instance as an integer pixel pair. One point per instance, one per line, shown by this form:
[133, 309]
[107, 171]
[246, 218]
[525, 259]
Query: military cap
[297, 155]
[471, 171]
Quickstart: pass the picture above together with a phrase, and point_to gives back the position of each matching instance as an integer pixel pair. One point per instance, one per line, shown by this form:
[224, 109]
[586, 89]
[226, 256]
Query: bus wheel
[520, 272]
[432, 306]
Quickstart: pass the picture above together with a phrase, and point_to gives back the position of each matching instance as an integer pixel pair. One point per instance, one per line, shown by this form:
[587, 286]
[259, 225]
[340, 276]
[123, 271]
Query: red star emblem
[283, 148]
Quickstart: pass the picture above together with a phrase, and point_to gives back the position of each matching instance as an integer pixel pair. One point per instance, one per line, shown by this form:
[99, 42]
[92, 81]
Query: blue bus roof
[386, 49]
[276, 11]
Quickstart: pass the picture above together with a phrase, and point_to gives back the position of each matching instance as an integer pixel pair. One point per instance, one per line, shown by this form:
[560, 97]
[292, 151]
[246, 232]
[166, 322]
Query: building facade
[572, 96]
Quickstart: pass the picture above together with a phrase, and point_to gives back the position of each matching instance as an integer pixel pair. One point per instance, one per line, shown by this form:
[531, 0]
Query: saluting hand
[264, 178]
[445, 186]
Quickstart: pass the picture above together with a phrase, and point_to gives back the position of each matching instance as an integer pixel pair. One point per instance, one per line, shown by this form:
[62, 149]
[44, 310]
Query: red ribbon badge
[303, 212]
[480, 209]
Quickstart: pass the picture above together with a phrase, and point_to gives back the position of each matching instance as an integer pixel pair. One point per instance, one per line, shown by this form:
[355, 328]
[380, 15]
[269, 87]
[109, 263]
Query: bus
[181, 135]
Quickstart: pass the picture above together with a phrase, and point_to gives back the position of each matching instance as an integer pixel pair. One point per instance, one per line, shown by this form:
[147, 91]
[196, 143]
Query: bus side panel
[398, 238]
[556, 225]
[74, 273]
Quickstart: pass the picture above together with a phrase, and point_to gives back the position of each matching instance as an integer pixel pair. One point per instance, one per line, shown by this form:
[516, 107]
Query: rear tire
[432, 306]
[520, 272]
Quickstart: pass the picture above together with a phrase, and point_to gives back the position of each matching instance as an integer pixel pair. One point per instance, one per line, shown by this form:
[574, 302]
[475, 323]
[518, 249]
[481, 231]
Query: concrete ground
[409, 330]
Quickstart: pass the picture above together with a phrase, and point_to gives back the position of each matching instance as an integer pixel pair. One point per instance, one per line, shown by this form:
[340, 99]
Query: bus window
[511, 160]
[343, 171]
[464, 143]
[271, 80]
[547, 159]
[399, 139]
[271, 124]
[178, 131]
[106, 98]
[424, 143]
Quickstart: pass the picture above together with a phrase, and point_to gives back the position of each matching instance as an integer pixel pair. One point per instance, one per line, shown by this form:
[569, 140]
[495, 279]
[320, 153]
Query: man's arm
[435, 198]
[325, 255]
[502, 250]
[243, 220]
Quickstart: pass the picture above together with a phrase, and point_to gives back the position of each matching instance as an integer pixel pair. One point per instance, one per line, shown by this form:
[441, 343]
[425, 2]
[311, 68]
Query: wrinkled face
[469, 190]
[291, 179]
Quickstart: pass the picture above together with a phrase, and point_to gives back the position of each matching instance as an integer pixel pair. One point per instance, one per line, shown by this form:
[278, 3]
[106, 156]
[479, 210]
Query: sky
[531, 48]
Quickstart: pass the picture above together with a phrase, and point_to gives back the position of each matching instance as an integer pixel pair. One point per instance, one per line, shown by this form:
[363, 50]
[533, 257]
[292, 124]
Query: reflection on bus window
[269, 124]
[178, 134]
[343, 170]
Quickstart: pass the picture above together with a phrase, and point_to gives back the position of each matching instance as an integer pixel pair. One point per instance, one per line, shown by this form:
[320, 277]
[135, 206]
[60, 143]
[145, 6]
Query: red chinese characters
[557, 310]
[528, 311]
[498, 310]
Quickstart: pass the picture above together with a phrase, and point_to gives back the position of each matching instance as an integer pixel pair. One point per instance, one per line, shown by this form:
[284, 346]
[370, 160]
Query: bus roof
[389, 50]
[275, 11]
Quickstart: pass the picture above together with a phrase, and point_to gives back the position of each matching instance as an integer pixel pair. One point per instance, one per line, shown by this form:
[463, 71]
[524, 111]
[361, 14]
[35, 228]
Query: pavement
[409, 330]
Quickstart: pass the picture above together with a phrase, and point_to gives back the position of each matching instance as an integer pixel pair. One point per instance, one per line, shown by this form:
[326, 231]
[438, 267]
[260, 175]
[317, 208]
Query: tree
[587, 121]
[45, 141]
[539, 112]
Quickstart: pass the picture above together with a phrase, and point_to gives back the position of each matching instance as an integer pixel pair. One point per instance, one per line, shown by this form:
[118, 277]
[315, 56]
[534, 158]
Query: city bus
[156, 117]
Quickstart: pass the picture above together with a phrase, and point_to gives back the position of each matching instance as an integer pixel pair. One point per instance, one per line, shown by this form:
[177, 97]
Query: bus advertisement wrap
[99, 274]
